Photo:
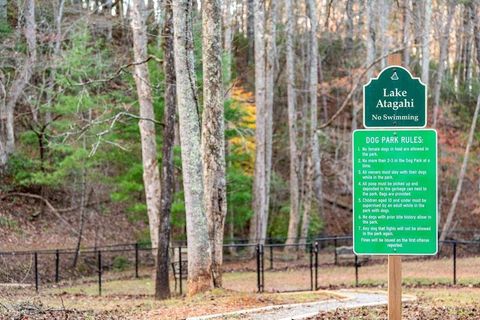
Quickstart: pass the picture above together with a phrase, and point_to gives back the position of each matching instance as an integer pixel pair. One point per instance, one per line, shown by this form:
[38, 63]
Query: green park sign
[395, 191]
[394, 99]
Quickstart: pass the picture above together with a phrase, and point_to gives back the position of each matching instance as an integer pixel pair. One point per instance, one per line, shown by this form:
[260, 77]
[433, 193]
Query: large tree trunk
[199, 251]
[448, 222]
[151, 176]
[162, 283]
[260, 212]
[292, 131]
[314, 175]
[426, 41]
[7, 134]
[213, 133]
[271, 60]
[444, 39]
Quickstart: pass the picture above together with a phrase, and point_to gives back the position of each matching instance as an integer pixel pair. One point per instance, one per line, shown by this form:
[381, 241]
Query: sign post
[394, 166]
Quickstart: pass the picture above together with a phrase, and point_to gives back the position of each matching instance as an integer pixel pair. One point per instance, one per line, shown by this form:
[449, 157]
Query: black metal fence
[44, 267]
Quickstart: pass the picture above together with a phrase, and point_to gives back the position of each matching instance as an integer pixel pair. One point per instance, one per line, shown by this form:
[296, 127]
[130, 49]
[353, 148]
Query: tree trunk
[269, 95]
[251, 7]
[444, 39]
[162, 283]
[199, 251]
[349, 27]
[213, 134]
[382, 11]
[7, 136]
[426, 41]
[292, 124]
[314, 175]
[227, 43]
[370, 35]
[446, 227]
[151, 176]
[406, 33]
[260, 212]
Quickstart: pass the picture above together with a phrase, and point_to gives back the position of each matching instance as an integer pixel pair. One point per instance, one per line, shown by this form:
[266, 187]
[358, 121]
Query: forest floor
[132, 299]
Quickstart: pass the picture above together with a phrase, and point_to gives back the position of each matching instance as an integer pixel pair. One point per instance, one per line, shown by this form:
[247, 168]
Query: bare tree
[451, 212]
[10, 97]
[162, 281]
[313, 176]
[444, 39]
[426, 41]
[406, 32]
[371, 35]
[250, 29]
[199, 251]
[260, 215]
[227, 42]
[151, 176]
[271, 61]
[213, 133]
[292, 131]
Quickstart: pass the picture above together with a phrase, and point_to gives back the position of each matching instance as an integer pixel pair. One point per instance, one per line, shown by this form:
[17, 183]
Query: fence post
[335, 250]
[271, 257]
[99, 262]
[316, 265]
[35, 259]
[455, 262]
[57, 266]
[356, 271]
[180, 268]
[262, 261]
[136, 260]
[311, 265]
[257, 251]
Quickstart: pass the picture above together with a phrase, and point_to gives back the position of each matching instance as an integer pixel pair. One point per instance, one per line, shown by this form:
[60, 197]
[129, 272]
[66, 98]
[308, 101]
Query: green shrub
[120, 263]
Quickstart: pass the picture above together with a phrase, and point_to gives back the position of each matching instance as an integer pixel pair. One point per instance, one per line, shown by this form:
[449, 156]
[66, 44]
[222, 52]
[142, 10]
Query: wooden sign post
[394, 262]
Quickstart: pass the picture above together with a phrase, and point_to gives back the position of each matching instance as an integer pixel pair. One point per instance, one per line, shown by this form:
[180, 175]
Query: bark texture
[162, 283]
[313, 177]
[271, 61]
[151, 176]
[199, 251]
[260, 211]
[292, 130]
[213, 137]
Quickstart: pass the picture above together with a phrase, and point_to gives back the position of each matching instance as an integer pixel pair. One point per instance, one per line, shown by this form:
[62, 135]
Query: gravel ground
[414, 311]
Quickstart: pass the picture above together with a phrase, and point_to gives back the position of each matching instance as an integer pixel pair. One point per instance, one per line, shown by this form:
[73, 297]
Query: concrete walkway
[347, 299]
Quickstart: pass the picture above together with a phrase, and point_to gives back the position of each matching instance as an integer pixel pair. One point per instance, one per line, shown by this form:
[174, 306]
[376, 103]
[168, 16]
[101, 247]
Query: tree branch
[354, 88]
[49, 205]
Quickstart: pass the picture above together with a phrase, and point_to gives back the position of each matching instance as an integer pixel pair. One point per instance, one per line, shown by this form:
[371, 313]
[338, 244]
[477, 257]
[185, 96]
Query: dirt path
[347, 299]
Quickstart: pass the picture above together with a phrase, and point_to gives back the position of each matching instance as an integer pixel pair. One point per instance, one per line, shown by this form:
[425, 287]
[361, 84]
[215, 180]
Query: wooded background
[215, 120]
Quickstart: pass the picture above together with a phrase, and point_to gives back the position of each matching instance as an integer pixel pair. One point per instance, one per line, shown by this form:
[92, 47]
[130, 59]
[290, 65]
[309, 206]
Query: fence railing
[100, 259]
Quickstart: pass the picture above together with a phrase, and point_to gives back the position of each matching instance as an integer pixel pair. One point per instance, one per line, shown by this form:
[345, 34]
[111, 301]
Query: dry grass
[134, 299]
